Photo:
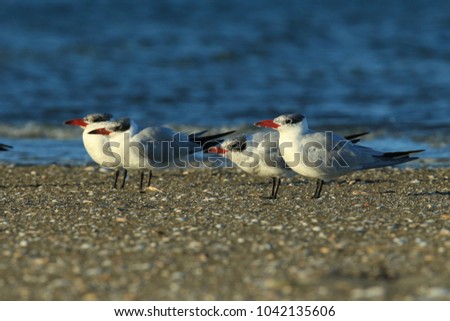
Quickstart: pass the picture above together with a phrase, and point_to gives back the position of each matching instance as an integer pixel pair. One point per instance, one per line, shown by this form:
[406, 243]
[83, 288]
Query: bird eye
[237, 146]
[288, 121]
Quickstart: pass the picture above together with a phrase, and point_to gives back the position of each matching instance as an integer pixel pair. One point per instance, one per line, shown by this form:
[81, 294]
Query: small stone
[436, 293]
[372, 293]
[85, 246]
[152, 189]
[360, 193]
[420, 242]
[90, 297]
[194, 245]
[428, 258]
[400, 240]
[277, 227]
[40, 261]
[324, 250]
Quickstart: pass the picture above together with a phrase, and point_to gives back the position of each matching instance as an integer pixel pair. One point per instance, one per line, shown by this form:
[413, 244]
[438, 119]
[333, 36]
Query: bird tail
[399, 155]
[394, 158]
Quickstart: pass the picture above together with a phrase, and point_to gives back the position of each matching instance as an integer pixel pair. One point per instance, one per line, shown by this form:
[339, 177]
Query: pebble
[400, 240]
[371, 293]
[225, 243]
[435, 293]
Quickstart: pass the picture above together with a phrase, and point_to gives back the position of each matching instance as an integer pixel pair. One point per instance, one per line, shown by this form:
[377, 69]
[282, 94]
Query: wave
[63, 132]
[59, 144]
[35, 130]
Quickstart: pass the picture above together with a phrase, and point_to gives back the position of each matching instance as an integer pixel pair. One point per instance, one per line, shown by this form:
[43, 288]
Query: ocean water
[349, 66]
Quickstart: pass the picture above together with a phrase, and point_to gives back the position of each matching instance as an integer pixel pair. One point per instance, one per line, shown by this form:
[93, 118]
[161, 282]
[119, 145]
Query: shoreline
[65, 234]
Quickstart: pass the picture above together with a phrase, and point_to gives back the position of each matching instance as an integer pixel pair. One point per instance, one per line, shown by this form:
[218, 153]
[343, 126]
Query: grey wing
[268, 149]
[154, 144]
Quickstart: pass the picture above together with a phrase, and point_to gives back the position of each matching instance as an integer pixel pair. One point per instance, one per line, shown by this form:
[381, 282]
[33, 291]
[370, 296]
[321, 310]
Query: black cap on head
[121, 125]
[289, 119]
[237, 143]
[97, 118]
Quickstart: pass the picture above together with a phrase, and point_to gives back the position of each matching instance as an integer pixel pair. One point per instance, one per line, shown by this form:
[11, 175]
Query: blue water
[382, 66]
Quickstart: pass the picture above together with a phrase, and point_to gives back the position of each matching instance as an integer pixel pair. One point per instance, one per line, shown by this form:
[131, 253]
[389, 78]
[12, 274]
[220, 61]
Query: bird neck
[303, 128]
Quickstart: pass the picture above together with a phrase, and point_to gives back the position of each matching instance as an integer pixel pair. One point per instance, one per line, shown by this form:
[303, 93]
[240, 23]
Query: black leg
[116, 178]
[125, 173]
[274, 196]
[141, 185]
[274, 183]
[150, 174]
[318, 188]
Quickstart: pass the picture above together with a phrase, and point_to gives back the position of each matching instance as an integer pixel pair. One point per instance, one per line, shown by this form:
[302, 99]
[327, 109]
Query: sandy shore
[209, 235]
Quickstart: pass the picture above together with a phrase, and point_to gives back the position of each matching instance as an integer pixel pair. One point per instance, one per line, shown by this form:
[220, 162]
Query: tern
[259, 154]
[152, 148]
[94, 144]
[256, 154]
[325, 155]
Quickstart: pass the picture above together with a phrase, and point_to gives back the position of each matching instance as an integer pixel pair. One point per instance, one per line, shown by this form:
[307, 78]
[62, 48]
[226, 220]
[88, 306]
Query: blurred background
[380, 66]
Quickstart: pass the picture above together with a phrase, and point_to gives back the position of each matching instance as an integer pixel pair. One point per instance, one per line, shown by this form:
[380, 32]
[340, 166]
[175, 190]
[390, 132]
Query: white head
[94, 144]
[89, 119]
[234, 145]
[114, 127]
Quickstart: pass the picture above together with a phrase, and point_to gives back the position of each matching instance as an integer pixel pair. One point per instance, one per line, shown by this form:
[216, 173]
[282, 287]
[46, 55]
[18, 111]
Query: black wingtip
[4, 147]
[206, 142]
[194, 135]
[352, 137]
[202, 139]
[396, 155]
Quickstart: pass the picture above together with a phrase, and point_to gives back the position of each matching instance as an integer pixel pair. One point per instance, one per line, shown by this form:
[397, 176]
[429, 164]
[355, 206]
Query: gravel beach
[65, 234]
